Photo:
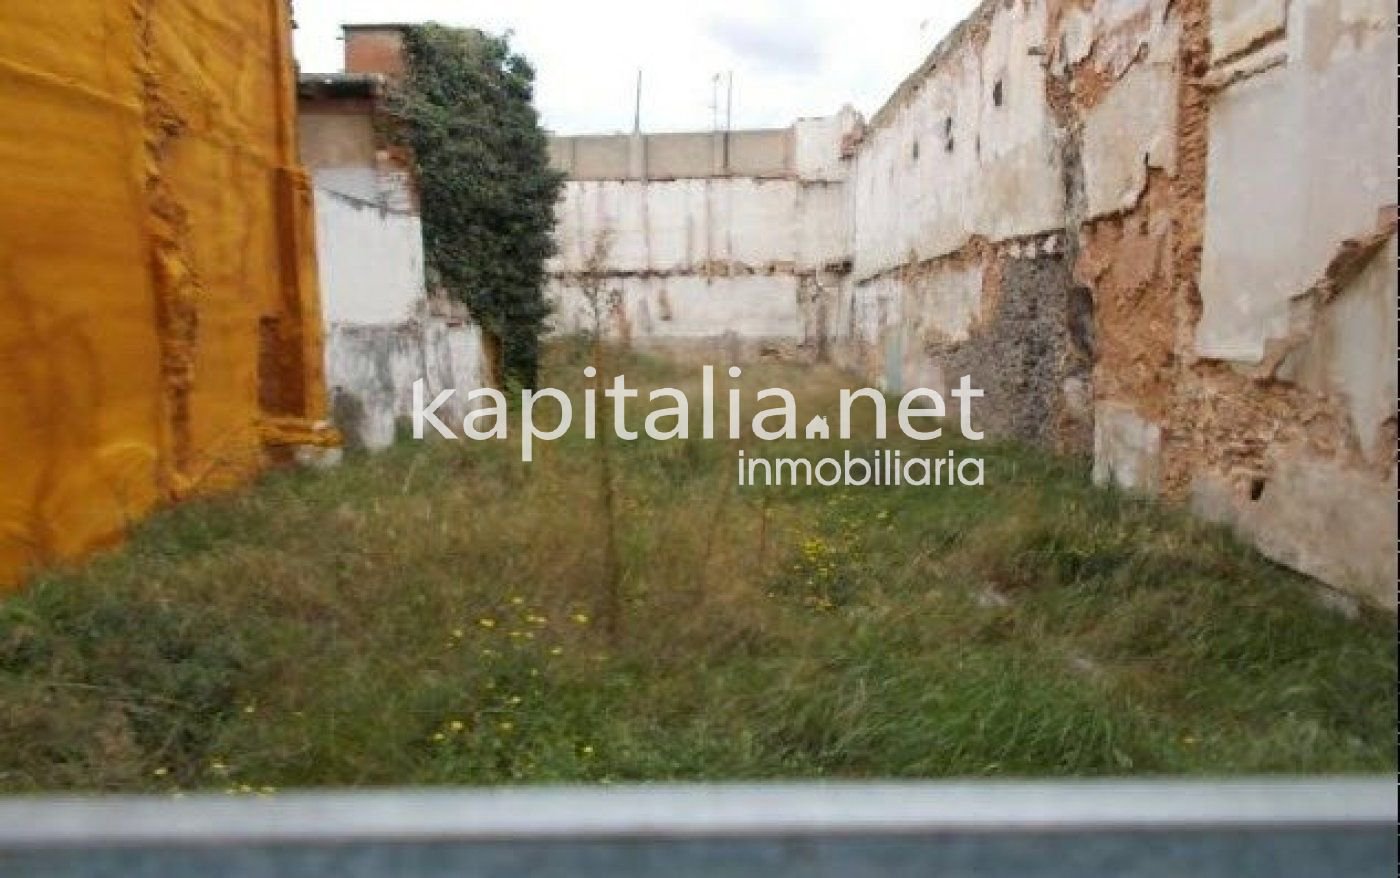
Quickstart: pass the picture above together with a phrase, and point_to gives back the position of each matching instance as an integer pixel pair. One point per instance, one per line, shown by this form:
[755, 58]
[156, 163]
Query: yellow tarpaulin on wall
[159, 321]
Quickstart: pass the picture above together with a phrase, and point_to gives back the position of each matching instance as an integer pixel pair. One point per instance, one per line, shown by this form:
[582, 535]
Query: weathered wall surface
[1288, 427]
[1161, 232]
[159, 332]
[710, 240]
[1164, 232]
[383, 331]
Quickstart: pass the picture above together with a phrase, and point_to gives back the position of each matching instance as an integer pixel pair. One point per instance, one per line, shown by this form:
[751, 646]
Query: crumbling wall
[963, 193]
[160, 325]
[729, 241]
[1161, 233]
[1286, 426]
[1157, 232]
[383, 330]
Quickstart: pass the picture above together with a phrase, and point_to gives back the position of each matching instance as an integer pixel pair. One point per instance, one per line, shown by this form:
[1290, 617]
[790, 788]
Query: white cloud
[789, 59]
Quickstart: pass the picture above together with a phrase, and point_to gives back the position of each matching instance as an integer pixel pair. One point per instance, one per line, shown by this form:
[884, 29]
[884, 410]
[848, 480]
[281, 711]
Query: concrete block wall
[730, 241]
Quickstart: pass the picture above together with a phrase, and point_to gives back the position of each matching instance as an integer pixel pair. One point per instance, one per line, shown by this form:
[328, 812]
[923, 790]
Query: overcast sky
[790, 58]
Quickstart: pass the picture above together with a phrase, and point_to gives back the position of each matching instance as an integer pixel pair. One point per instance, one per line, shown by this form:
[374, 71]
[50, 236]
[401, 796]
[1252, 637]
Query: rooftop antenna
[637, 115]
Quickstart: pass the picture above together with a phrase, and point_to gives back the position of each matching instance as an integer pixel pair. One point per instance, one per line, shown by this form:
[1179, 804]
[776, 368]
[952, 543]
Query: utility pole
[728, 115]
[714, 102]
[729, 105]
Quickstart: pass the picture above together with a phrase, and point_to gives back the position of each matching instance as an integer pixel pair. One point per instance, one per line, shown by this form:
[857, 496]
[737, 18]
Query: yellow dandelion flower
[506, 726]
[581, 618]
[558, 650]
[161, 772]
[458, 633]
[517, 601]
[439, 737]
[456, 725]
[487, 623]
[587, 750]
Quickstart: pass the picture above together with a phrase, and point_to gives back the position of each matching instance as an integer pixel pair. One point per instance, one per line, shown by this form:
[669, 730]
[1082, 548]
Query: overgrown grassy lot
[440, 614]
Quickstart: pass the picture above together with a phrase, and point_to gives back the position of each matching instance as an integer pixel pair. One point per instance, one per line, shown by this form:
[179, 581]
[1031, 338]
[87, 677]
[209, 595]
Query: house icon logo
[818, 429]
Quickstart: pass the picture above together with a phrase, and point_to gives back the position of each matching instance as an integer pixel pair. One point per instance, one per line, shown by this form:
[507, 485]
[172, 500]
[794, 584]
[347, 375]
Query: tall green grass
[430, 615]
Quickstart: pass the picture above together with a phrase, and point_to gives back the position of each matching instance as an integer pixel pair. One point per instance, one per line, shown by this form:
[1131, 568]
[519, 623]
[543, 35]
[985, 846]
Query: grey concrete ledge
[698, 812]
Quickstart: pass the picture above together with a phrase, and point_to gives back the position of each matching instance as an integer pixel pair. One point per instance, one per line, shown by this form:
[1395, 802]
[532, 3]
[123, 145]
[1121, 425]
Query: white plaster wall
[942, 305]
[1001, 178]
[709, 257]
[1351, 354]
[823, 232]
[1302, 157]
[370, 372]
[355, 183]
[678, 225]
[380, 334]
[371, 261]
[1236, 25]
[687, 308]
[1133, 129]
[819, 143]
[1124, 28]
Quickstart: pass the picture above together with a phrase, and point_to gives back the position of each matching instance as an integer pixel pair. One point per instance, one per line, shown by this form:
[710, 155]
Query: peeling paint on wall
[383, 330]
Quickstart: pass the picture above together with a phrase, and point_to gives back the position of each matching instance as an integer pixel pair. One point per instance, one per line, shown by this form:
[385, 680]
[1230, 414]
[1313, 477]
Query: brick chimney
[376, 48]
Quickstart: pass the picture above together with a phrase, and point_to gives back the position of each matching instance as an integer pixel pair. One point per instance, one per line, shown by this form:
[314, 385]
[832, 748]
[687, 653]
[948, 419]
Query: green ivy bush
[466, 110]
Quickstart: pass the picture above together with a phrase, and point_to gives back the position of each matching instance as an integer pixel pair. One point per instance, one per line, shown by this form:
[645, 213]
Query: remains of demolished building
[1157, 232]
[384, 328]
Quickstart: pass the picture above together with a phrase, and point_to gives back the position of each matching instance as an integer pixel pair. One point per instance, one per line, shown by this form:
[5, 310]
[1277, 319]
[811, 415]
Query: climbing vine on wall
[488, 193]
